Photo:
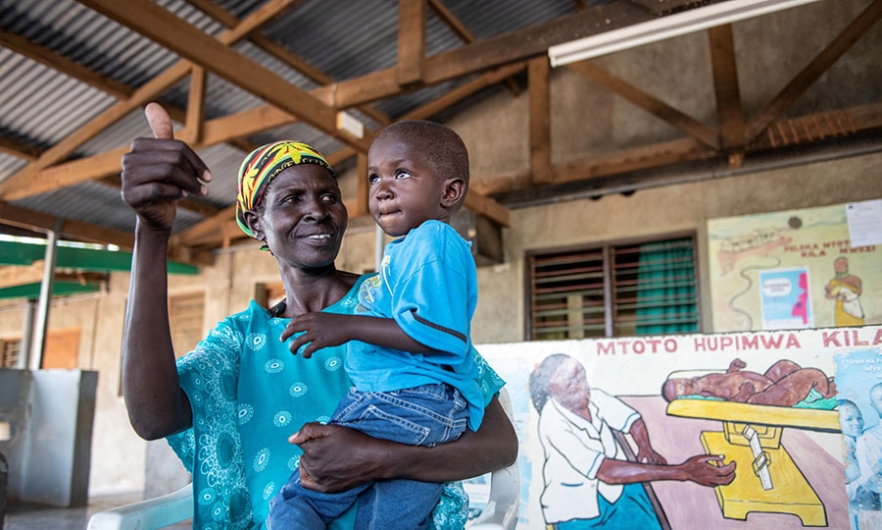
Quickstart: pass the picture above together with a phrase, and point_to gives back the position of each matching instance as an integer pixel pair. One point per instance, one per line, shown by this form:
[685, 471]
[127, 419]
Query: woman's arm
[700, 469]
[156, 173]
[336, 458]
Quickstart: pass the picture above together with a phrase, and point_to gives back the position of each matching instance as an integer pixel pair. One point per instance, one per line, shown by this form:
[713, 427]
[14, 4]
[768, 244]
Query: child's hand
[319, 330]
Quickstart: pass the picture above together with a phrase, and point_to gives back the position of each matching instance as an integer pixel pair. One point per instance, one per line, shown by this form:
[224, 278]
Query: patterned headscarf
[263, 165]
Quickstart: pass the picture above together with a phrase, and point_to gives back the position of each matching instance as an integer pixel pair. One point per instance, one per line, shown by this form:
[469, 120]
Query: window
[11, 352]
[613, 290]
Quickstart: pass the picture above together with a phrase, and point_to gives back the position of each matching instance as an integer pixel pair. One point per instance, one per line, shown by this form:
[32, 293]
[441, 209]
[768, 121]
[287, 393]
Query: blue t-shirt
[248, 394]
[428, 285]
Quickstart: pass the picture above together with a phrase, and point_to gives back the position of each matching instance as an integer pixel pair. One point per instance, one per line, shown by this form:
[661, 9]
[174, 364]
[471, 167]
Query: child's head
[417, 171]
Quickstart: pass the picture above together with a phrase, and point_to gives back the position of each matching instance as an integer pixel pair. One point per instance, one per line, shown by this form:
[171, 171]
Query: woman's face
[569, 386]
[303, 218]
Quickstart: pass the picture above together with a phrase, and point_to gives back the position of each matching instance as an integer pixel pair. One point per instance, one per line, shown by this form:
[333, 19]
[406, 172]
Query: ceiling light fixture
[666, 27]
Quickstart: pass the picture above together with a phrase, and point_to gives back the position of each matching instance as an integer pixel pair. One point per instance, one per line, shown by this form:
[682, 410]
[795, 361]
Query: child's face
[404, 189]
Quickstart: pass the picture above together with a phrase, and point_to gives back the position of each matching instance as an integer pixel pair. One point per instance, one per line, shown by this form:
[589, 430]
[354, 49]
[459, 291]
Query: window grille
[613, 290]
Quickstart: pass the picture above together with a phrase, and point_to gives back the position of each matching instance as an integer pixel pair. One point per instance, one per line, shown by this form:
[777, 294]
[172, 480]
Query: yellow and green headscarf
[263, 165]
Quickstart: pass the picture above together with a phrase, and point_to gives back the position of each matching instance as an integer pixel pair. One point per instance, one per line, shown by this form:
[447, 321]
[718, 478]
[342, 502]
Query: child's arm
[321, 330]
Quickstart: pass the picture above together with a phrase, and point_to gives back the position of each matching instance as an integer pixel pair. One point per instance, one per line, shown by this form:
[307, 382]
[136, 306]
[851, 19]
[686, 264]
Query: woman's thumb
[159, 121]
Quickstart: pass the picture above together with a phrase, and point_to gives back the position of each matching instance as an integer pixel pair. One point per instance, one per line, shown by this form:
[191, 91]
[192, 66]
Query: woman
[227, 406]
[588, 482]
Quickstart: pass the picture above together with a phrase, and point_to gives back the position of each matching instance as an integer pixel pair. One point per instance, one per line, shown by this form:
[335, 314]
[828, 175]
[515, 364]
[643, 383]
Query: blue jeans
[424, 415]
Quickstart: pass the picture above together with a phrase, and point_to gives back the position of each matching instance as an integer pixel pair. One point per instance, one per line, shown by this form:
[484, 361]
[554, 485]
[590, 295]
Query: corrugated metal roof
[343, 38]
[41, 106]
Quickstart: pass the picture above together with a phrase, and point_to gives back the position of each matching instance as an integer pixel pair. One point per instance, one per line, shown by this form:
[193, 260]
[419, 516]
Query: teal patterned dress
[248, 393]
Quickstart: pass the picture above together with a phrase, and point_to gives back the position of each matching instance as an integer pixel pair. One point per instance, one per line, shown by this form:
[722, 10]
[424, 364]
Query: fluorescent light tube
[666, 27]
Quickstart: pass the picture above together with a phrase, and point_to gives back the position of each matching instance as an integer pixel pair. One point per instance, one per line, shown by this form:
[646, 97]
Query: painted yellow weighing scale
[766, 478]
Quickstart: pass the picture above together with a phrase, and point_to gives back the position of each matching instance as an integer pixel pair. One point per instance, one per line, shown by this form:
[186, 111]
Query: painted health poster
[725, 431]
[843, 282]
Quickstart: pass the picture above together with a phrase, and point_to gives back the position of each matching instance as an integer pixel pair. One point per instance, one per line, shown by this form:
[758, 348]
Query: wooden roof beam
[19, 149]
[439, 104]
[70, 229]
[199, 207]
[411, 42]
[141, 96]
[281, 53]
[56, 61]
[498, 51]
[160, 25]
[540, 121]
[725, 71]
[362, 195]
[80, 231]
[649, 103]
[801, 130]
[226, 129]
[195, 119]
[79, 72]
[108, 163]
[209, 230]
[459, 28]
[815, 69]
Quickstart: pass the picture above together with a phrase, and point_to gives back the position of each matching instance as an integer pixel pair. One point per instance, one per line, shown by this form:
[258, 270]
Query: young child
[409, 350]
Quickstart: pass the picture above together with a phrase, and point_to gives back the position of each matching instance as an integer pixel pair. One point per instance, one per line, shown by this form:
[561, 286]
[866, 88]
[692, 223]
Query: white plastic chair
[501, 512]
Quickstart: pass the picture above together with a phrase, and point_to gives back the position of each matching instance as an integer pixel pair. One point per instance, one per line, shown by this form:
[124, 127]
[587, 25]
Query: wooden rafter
[85, 75]
[195, 106]
[511, 47]
[463, 33]
[801, 130]
[176, 34]
[649, 103]
[540, 121]
[76, 230]
[31, 180]
[79, 231]
[105, 164]
[280, 52]
[18, 149]
[208, 230]
[144, 94]
[463, 91]
[224, 129]
[411, 42]
[816, 67]
[56, 61]
[725, 72]
[211, 230]
[360, 208]
[199, 207]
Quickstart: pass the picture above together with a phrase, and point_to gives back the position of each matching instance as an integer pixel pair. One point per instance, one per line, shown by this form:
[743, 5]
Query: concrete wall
[586, 121]
[50, 448]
